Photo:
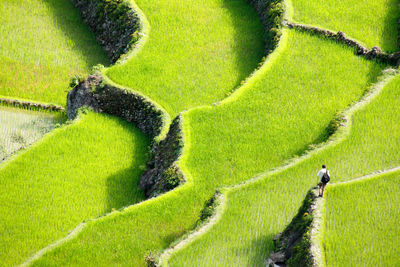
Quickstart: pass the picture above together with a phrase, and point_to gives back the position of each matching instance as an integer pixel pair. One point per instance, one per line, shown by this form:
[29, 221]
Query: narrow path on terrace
[218, 250]
[368, 176]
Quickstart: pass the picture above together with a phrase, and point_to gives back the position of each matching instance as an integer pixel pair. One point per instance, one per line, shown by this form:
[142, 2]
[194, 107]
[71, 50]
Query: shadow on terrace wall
[122, 187]
[391, 25]
[249, 37]
[69, 20]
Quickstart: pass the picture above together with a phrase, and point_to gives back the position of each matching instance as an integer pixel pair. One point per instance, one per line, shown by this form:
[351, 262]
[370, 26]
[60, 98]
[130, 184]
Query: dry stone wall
[271, 13]
[162, 173]
[116, 26]
[102, 97]
[373, 54]
[114, 22]
[30, 105]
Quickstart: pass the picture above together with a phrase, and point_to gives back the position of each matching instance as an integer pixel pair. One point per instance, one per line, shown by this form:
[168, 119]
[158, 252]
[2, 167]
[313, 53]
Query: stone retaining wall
[375, 53]
[271, 13]
[30, 105]
[114, 22]
[130, 106]
[293, 245]
[162, 172]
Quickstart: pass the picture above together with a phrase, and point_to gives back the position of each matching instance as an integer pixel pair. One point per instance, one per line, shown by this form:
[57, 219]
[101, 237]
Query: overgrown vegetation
[114, 23]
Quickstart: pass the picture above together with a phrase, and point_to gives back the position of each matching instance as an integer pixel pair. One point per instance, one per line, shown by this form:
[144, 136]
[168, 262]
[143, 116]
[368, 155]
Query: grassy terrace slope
[362, 223]
[77, 172]
[42, 45]
[197, 52]
[85, 169]
[262, 209]
[241, 139]
[369, 21]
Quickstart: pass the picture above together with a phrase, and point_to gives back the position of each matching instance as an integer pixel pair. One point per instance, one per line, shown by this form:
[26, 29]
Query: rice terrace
[192, 133]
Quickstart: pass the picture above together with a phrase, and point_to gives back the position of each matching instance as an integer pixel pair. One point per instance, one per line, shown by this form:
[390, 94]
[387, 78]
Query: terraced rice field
[264, 207]
[76, 172]
[42, 45]
[257, 136]
[348, 208]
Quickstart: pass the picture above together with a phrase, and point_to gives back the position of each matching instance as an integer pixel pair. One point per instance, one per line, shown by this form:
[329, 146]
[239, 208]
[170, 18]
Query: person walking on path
[324, 178]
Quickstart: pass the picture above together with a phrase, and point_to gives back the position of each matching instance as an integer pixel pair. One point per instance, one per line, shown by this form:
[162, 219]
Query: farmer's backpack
[325, 178]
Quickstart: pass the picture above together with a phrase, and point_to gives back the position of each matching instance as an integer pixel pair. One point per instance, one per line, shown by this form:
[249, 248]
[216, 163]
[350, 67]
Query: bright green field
[276, 115]
[19, 129]
[373, 22]
[262, 209]
[42, 45]
[362, 223]
[197, 52]
[77, 172]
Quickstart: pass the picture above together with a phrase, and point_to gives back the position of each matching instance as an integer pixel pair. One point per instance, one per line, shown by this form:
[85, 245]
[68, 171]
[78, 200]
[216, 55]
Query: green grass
[362, 223]
[231, 143]
[42, 45]
[255, 213]
[372, 22]
[77, 172]
[41, 52]
[197, 52]
[20, 128]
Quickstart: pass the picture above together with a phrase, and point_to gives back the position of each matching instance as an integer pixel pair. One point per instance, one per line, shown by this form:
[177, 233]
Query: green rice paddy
[197, 52]
[77, 172]
[263, 208]
[154, 225]
[196, 57]
[42, 45]
[362, 228]
[372, 22]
